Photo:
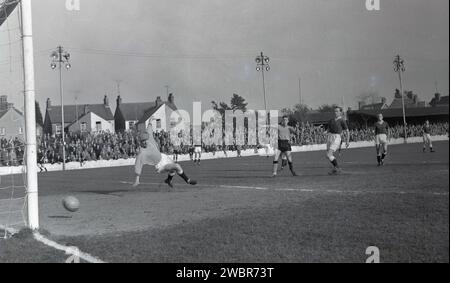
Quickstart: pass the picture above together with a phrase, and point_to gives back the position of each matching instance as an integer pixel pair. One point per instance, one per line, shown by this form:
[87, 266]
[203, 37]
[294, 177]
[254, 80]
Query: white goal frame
[30, 112]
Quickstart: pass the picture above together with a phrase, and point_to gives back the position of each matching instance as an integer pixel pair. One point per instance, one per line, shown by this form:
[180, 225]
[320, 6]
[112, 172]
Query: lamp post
[59, 58]
[399, 67]
[262, 64]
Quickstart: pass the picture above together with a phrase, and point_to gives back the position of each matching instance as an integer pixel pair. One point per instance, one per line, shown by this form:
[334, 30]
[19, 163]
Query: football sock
[379, 159]
[275, 167]
[335, 163]
[383, 156]
[185, 178]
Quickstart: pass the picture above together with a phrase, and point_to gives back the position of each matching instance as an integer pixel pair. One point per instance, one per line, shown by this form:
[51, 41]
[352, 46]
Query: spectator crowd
[112, 146]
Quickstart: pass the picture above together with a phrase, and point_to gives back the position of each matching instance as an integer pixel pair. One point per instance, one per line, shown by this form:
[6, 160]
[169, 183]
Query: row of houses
[90, 118]
[99, 117]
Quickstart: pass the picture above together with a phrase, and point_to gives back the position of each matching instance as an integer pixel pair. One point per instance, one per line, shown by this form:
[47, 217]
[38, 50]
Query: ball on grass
[71, 203]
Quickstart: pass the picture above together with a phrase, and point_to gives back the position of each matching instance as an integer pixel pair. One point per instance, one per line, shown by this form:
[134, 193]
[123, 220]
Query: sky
[205, 50]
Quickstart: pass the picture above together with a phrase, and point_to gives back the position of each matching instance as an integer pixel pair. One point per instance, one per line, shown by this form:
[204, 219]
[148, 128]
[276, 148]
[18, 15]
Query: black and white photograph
[224, 138]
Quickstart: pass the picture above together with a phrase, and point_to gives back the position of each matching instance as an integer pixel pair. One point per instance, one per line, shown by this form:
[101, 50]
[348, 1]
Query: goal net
[14, 189]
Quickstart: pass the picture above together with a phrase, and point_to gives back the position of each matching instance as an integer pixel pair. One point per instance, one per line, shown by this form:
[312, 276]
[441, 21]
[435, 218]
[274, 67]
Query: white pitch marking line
[9, 230]
[68, 250]
[305, 190]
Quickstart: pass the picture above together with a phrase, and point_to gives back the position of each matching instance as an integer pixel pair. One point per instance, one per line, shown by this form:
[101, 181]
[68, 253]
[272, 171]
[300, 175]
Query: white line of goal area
[73, 252]
[257, 188]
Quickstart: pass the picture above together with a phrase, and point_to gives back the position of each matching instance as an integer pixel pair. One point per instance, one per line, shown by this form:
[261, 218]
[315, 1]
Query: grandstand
[394, 116]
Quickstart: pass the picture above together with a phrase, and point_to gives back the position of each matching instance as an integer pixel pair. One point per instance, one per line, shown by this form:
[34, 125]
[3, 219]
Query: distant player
[284, 146]
[427, 137]
[197, 153]
[335, 128]
[150, 155]
[382, 137]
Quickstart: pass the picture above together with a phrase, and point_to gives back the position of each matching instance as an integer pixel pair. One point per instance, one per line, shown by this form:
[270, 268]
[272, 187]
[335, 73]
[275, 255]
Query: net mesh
[12, 124]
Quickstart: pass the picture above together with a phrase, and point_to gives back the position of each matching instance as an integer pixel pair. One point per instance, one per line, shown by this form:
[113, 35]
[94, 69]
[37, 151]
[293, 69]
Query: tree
[301, 112]
[238, 103]
[327, 108]
[39, 119]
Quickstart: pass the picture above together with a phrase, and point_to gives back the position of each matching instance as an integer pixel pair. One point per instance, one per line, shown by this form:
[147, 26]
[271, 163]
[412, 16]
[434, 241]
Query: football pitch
[238, 213]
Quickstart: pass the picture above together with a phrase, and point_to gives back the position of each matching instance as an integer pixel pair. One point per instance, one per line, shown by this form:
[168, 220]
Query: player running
[151, 155]
[284, 146]
[427, 137]
[335, 128]
[382, 136]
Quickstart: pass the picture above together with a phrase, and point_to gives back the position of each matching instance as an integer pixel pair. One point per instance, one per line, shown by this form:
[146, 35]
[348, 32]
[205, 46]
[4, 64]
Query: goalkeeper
[151, 155]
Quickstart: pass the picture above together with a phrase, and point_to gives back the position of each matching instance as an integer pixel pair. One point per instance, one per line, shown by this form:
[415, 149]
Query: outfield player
[336, 127]
[427, 137]
[284, 146]
[382, 137]
[197, 153]
[150, 155]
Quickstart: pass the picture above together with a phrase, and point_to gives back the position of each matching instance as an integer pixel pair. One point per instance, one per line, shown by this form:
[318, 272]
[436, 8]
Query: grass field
[238, 213]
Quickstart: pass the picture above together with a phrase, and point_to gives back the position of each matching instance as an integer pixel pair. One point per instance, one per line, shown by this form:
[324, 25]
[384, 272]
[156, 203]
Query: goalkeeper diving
[150, 155]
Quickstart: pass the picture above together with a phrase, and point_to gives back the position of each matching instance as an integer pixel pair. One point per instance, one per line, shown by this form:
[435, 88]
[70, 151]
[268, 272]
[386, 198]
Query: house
[132, 116]
[411, 100]
[88, 118]
[12, 121]
[375, 106]
[439, 100]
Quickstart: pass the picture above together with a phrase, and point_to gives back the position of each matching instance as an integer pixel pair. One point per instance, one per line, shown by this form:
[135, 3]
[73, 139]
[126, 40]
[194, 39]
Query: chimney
[415, 98]
[361, 104]
[49, 104]
[86, 109]
[3, 102]
[158, 101]
[437, 96]
[118, 100]
[171, 98]
[106, 101]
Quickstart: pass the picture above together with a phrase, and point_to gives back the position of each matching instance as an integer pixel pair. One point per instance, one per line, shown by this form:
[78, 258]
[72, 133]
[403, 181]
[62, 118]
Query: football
[71, 203]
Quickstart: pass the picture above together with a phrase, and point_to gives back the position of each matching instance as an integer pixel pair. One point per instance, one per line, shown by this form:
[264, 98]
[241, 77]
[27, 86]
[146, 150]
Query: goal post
[30, 115]
[25, 21]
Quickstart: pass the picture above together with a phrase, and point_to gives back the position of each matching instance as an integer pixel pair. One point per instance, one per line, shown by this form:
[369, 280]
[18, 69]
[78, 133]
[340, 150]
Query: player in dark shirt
[427, 137]
[335, 128]
[381, 139]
